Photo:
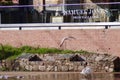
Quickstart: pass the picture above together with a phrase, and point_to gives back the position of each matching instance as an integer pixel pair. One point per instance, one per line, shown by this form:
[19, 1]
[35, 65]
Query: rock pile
[69, 62]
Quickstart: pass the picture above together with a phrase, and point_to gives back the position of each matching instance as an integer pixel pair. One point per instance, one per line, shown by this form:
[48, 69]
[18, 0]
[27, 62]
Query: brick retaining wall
[94, 40]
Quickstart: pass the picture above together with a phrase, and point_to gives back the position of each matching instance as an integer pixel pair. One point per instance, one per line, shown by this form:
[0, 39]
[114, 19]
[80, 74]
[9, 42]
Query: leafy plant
[7, 51]
[6, 3]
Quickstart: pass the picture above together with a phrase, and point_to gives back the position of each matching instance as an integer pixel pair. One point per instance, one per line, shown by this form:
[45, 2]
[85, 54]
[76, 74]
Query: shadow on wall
[117, 65]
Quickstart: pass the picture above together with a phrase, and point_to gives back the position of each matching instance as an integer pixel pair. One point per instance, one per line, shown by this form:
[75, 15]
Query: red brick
[93, 40]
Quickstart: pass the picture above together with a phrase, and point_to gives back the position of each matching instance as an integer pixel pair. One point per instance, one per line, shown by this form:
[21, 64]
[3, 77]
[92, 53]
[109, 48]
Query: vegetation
[7, 51]
[8, 54]
[6, 3]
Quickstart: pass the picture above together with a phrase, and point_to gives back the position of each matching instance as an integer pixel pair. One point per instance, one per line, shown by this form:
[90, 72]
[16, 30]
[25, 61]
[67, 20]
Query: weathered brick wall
[98, 40]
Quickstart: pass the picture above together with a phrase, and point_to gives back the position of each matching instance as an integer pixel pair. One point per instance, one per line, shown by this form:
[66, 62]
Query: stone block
[42, 68]
[64, 68]
[49, 68]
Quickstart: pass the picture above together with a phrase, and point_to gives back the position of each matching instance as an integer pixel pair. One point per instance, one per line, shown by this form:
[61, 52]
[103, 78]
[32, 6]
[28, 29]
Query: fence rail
[61, 4]
[59, 25]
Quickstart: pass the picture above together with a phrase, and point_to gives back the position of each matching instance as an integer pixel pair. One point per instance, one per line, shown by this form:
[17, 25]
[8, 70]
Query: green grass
[10, 52]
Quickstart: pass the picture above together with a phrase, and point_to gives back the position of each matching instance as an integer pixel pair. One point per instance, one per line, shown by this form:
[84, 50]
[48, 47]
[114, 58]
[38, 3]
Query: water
[65, 76]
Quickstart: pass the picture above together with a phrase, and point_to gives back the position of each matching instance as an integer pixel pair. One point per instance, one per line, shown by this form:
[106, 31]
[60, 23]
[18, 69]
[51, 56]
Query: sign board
[57, 19]
[66, 13]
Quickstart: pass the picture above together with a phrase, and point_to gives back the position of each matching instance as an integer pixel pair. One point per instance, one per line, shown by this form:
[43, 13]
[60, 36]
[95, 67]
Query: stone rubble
[58, 63]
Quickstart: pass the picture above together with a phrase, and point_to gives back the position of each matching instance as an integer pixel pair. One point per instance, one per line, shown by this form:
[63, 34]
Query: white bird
[1, 76]
[86, 71]
[19, 77]
[5, 76]
[65, 38]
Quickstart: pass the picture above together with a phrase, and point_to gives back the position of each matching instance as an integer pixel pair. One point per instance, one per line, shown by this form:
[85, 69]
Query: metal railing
[106, 25]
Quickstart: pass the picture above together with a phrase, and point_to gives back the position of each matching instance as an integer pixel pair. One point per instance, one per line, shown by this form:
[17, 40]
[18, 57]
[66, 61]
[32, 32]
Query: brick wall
[98, 40]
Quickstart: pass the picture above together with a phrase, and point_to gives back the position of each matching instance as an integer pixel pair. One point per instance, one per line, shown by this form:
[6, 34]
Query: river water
[66, 76]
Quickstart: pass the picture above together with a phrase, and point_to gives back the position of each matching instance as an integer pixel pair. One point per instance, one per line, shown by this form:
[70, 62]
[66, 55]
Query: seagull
[1, 76]
[5, 76]
[86, 71]
[19, 77]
